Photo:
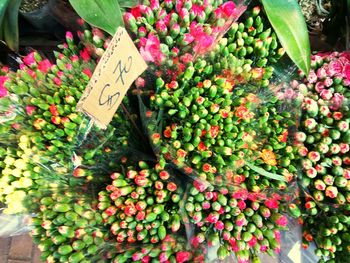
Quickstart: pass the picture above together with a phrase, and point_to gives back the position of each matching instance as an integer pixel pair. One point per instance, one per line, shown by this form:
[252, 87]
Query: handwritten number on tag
[118, 69]
[109, 99]
[106, 98]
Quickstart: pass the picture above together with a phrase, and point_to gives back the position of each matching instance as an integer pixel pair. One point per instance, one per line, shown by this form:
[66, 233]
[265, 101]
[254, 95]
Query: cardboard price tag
[119, 66]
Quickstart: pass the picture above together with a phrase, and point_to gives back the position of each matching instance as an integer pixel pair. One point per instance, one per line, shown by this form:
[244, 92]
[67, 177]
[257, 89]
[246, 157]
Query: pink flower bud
[252, 242]
[30, 109]
[343, 126]
[312, 78]
[44, 66]
[310, 123]
[314, 156]
[319, 86]
[79, 233]
[200, 186]
[324, 110]
[228, 9]
[326, 94]
[183, 256]
[161, 27]
[337, 101]
[137, 256]
[29, 59]
[146, 259]
[74, 58]
[346, 174]
[335, 68]
[280, 220]
[331, 191]
[188, 39]
[219, 225]
[303, 151]
[320, 185]
[205, 205]
[241, 204]
[321, 73]
[212, 218]
[311, 172]
[271, 203]
[337, 160]
[69, 36]
[328, 82]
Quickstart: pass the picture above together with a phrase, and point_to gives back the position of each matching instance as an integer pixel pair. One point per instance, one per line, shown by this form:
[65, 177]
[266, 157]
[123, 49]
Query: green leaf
[104, 14]
[288, 21]
[3, 7]
[265, 173]
[11, 24]
[128, 3]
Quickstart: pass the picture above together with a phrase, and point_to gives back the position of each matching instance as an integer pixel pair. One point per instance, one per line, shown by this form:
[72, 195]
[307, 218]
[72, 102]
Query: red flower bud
[111, 210]
[56, 120]
[171, 187]
[141, 180]
[131, 174]
[53, 110]
[158, 185]
[130, 210]
[79, 172]
[140, 215]
[164, 175]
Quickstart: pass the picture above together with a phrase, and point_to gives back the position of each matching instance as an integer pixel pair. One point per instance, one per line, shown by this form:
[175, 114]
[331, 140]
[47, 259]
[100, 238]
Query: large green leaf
[104, 14]
[265, 173]
[128, 3]
[3, 7]
[10, 24]
[288, 21]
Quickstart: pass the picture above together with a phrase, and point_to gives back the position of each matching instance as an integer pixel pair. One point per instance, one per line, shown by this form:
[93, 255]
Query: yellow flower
[268, 157]
[16, 172]
[253, 98]
[9, 160]
[25, 182]
[20, 164]
[24, 139]
[7, 171]
[228, 86]
[23, 146]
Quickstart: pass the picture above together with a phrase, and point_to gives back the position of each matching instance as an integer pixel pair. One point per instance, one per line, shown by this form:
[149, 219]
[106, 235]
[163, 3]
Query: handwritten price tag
[119, 66]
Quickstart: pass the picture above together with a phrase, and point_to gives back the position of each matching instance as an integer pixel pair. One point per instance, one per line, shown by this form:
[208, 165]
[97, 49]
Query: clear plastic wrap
[12, 225]
[67, 226]
[171, 33]
[219, 123]
[215, 130]
[235, 221]
[141, 204]
[223, 123]
[322, 141]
